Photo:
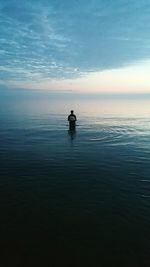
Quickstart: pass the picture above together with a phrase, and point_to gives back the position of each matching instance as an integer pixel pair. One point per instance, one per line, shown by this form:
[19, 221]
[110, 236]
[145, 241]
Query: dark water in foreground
[75, 199]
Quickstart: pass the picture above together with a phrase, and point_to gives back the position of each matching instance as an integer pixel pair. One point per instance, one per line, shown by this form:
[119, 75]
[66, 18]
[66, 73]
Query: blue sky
[58, 44]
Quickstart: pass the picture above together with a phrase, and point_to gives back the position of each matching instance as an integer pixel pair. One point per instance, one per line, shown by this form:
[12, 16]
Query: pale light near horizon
[132, 79]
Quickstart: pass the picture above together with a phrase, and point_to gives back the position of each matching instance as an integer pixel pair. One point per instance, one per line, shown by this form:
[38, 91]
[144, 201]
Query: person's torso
[72, 118]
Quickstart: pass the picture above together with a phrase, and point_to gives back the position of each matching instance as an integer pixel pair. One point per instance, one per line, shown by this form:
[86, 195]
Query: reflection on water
[88, 203]
[72, 133]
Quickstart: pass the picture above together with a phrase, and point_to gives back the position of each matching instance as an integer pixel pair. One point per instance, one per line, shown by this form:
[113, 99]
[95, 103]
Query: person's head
[71, 111]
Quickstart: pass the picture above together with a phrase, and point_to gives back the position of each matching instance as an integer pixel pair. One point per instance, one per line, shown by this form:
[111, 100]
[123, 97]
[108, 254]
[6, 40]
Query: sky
[75, 45]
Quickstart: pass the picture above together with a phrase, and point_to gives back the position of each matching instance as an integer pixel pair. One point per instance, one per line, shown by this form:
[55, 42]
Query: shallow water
[74, 198]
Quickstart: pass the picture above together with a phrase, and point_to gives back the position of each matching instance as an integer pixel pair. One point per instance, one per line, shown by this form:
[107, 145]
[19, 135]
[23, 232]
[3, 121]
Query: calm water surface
[74, 198]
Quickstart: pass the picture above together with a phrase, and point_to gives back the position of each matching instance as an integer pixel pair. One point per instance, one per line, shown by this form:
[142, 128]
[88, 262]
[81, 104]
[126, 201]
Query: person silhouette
[72, 120]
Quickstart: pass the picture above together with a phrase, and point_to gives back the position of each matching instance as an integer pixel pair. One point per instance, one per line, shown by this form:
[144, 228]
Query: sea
[74, 197]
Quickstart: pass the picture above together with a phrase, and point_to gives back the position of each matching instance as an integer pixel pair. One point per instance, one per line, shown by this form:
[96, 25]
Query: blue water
[74, 198]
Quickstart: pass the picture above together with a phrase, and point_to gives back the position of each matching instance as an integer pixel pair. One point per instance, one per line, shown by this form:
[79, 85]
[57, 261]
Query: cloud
[67, 39]
[131, 79]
